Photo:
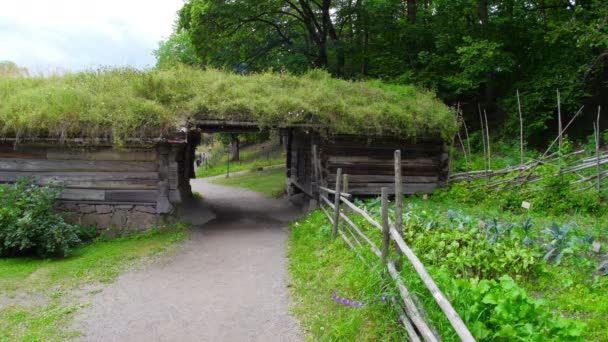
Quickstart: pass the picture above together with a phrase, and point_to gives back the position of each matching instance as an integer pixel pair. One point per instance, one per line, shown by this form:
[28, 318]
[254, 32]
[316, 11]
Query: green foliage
[465, 246]
[468, 51]
[121, 103]
[506, 312]
[28, 223]
[175, 50]
[271, 182]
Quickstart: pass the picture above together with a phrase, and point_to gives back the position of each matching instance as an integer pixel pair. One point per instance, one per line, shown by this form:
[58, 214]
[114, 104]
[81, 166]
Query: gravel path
[227, 283]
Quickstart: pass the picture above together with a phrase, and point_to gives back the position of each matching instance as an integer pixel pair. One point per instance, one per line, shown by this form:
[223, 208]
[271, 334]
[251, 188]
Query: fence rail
[412, 316]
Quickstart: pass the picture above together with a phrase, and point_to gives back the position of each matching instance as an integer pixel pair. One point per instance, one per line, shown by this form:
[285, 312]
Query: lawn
[39, 297]
[249, 160]
[270, 182]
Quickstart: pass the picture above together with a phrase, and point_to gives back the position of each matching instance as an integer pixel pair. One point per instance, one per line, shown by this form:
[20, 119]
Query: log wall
[368, 161]
[103, 186]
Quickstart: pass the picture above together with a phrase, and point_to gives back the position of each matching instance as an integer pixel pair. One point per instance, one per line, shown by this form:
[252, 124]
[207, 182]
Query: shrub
[28, 223]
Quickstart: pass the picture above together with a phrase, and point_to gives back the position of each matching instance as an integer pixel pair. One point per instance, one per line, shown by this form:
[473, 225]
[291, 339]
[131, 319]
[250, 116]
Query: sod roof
[117, 104]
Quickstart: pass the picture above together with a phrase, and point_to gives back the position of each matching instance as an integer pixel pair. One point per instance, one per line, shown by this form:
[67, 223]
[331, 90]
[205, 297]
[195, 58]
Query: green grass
[249, 160]
[38, 291]
[320, 267]
[270, 183]
[121, 103]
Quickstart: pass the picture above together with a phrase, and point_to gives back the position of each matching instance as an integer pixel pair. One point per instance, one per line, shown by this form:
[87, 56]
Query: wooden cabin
[104, 186]
[368, 160]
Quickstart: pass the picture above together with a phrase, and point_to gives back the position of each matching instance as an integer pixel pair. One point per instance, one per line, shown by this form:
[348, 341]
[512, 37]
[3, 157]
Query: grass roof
[123, 103]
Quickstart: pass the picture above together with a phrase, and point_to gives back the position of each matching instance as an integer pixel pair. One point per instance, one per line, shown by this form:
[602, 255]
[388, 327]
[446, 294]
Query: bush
[28, 223]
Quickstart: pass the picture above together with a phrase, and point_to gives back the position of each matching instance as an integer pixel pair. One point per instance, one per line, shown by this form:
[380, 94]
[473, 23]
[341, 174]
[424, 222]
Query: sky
[69, 35]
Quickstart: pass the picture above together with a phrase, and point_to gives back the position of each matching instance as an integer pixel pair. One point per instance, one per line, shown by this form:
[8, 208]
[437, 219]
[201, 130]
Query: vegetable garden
[510, 272]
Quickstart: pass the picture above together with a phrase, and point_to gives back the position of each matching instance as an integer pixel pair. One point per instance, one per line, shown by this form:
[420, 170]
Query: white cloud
[80, 34]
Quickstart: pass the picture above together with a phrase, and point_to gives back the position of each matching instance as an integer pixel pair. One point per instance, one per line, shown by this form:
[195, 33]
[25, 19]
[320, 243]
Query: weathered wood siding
[97, 177]
[368, 161]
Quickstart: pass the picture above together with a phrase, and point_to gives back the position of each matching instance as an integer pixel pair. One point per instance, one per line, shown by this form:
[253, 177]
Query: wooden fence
[411, 315]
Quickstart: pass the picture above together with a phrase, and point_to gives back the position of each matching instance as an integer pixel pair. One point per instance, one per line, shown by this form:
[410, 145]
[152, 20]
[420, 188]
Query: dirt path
[228, 282]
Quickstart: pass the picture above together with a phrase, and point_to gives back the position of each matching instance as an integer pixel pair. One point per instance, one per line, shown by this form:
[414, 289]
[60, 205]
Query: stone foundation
[111, 219]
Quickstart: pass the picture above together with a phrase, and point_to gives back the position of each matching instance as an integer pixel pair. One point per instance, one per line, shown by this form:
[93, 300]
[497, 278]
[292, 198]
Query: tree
[11, 69]
[468, 51]
[175, 50]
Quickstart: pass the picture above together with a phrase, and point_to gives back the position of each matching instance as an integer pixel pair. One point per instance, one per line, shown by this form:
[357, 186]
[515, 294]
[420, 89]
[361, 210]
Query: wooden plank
[374, 188]
[373, 178]
[411, 308]
[92, 180]
[333, 159]
[337, 203]
[83, 194]
[16, 164]
[131, 195]
[386, 239]
[108, 154]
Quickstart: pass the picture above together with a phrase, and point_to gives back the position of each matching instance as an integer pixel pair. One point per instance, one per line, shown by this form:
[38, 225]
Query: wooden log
[365, 238]
[83, 194]
[408, 188]
[445, 305]
[337, 204]
[315, 171]
[345, 180]
[108, 154]
[399, 202]
[361, 212]
[373, 178]
[43, 165]
[597, 151]
[412, 310]
[328, 190]
[411, 331]
[90, 180]
[385, 228]
[131, 195]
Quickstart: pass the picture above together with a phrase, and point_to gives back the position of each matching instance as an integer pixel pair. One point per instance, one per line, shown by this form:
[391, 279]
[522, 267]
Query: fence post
[315, 171]
[334, 232]
[386, 239]
[597, 151]
[398, 204]
[345, 183]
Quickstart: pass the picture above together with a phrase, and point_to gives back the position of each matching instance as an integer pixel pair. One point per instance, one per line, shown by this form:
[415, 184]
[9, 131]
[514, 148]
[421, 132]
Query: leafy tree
[469, 51]
[177, 49]
[11, 69]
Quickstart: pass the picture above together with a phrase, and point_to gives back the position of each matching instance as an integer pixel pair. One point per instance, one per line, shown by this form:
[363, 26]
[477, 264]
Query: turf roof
[118, 104]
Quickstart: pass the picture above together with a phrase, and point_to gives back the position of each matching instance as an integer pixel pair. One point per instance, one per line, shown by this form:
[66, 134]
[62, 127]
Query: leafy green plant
[504, 311]
[28, 223]
[526, 228]
[560, 243]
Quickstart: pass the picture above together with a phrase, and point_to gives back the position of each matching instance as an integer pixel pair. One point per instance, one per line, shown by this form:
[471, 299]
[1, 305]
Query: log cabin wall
[112, 189]
[369, 162]
[299, 161]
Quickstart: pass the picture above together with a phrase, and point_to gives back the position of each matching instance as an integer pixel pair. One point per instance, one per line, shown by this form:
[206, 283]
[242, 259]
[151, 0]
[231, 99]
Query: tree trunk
[411, 11]
[235, 148]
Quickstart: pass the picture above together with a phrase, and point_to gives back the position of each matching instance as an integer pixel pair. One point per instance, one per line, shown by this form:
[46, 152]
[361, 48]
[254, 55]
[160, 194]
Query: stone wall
[111, 219]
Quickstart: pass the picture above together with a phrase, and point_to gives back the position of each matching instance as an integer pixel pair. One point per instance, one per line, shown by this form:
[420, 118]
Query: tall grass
[120, 103]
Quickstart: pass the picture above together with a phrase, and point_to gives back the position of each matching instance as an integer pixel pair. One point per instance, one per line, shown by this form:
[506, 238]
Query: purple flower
[345, 301]
[355, 304]
[383, 299]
